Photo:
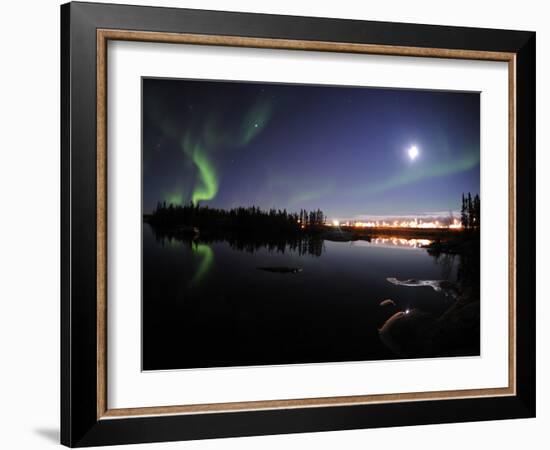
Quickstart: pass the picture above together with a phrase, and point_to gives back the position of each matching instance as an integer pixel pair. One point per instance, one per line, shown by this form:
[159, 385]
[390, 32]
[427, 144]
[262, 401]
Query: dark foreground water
[208, 304]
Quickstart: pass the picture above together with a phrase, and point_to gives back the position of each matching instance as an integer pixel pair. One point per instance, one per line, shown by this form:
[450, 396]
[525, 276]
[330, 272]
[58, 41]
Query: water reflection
[401, 242]
[207, 258]
[257, 300]
[447, 261]
[300, 244]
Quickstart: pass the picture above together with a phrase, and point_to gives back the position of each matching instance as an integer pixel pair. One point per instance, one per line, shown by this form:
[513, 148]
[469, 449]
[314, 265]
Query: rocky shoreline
[412, 331]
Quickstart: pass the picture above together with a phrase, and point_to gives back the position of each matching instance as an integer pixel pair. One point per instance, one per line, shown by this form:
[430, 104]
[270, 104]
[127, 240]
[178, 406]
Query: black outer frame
[79, 423]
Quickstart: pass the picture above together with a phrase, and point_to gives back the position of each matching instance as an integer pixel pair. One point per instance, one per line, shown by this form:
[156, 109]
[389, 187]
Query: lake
[207, 304]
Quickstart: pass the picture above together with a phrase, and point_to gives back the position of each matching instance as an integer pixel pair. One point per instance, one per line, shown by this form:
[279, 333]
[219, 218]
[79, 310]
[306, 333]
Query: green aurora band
[174, 198]
[309, 195]
[254, 122]
[469, 161]
[208, 188]
[199, 146]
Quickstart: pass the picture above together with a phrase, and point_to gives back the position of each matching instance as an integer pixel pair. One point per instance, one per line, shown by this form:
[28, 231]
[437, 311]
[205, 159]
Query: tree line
[250, 218]
[470, 213]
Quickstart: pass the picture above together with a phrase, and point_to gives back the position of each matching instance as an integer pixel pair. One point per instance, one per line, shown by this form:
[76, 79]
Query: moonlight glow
[413, 152]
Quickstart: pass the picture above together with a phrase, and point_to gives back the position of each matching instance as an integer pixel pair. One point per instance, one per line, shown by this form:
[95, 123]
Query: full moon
[413, 152]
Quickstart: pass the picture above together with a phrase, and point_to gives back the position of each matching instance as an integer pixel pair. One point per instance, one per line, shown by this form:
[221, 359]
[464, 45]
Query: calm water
[208, 305]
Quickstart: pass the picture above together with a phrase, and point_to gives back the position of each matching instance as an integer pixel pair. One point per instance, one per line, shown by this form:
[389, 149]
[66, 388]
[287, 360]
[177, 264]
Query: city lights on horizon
[452, 223]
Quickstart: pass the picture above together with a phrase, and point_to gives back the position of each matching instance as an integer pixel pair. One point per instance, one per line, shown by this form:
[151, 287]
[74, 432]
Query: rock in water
[444, 286]
[281, 269]
[409, 333]
[387, 302]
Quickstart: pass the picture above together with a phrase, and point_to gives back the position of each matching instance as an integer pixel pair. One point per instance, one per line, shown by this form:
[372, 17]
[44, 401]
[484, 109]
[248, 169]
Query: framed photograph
[276, 224]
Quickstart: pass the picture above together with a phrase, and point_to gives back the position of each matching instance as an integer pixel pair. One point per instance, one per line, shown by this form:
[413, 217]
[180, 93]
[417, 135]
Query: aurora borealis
[299, 204]
[340, 149]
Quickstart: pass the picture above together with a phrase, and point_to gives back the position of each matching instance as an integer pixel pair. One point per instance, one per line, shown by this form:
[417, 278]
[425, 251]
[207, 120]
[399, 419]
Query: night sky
[344, 150]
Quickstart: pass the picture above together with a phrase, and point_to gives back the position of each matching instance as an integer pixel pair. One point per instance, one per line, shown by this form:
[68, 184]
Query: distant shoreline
[327, 232]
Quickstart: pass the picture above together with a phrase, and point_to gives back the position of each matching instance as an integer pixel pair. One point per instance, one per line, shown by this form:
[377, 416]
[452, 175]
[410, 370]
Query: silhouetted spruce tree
[470, 213]
[464, 213]
[477, 212]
